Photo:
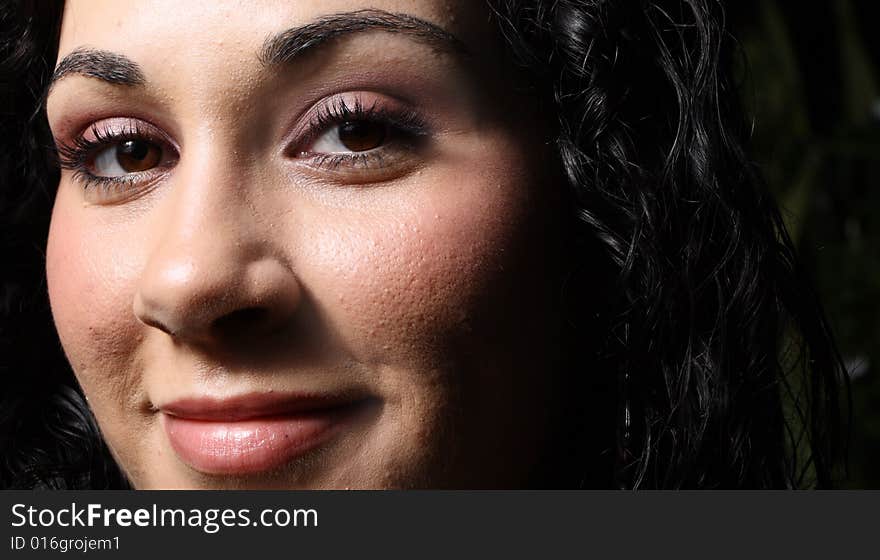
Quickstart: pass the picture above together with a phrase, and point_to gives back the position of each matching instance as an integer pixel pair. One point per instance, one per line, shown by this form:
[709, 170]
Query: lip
[254, 433]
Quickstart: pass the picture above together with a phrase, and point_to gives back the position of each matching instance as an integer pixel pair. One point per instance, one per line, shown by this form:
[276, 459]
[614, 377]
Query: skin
[429, 285]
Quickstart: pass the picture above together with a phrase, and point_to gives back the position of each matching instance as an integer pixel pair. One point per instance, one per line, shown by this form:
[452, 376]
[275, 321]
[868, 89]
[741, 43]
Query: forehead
[161, 28]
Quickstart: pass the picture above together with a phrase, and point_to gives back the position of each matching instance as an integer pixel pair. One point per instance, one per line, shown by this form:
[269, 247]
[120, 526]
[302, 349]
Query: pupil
[360, 136]
[137, 155]
[134, 149]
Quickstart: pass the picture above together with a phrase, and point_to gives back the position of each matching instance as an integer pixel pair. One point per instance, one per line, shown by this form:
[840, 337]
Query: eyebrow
[105, 65]
[280, 48]
[287, 45]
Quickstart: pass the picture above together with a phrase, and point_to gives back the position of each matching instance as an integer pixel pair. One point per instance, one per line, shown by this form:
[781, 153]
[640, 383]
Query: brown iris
[137, 155]
[361, 136]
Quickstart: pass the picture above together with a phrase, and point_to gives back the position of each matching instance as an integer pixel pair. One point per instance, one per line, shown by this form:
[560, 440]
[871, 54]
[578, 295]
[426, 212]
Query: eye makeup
[349, 138]
[354, 139]
[139, 152]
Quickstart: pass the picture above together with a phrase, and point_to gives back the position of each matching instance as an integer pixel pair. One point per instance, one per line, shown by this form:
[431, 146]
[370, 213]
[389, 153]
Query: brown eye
[129, 156]
[361, 136]
[137, 155]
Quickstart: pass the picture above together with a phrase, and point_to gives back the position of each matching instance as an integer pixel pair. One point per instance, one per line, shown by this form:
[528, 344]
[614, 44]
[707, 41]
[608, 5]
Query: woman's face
[300, 245]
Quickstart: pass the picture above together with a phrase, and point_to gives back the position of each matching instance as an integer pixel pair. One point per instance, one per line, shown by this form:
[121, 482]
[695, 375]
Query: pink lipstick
[253, 433]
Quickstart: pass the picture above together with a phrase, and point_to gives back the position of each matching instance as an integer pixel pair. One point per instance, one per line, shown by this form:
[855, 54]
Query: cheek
[446, 285]
[90, 294]
[422, 275]
[397, 281]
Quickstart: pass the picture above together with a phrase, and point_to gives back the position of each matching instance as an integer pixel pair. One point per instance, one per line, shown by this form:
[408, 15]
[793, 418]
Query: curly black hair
[715, 366]
[48, 436]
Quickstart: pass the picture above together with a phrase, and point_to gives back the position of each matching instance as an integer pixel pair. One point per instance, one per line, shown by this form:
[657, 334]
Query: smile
[254, 433]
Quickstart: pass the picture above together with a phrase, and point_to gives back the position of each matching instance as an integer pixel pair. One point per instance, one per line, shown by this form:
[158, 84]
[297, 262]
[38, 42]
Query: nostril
[215, 300]
[156, 324]
[241, 319]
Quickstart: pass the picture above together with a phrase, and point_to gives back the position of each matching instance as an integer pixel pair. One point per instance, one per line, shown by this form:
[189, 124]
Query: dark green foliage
[811, 82]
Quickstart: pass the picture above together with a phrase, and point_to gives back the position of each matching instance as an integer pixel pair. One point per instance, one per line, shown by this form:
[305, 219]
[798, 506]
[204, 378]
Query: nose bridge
[205, 234]
[211, 258]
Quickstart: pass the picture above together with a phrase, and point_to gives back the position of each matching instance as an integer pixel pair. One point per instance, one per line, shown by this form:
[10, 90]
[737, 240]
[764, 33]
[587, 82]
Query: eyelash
[76, 155]
[406, 127]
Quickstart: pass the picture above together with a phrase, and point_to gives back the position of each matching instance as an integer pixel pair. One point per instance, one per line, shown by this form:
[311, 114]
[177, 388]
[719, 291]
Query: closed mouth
[255, 433]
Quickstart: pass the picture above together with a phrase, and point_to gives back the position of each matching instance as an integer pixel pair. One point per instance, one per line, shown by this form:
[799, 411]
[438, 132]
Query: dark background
[811, 82]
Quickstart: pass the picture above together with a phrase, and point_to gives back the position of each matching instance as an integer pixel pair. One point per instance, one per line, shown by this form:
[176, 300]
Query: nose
[214, 272]
[205, 296]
